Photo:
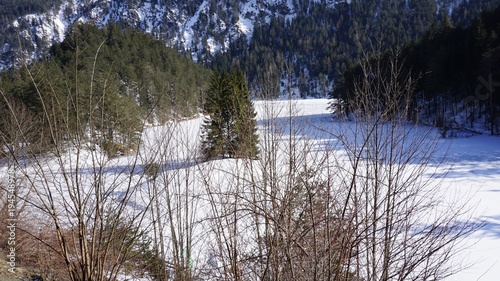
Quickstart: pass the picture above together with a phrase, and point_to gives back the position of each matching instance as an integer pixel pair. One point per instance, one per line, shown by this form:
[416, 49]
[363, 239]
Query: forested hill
[316, 46]
[122, 76]
[303, 44]
[459, 70]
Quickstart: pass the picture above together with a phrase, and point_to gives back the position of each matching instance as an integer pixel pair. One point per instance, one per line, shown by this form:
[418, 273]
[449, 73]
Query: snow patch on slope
[187, 25]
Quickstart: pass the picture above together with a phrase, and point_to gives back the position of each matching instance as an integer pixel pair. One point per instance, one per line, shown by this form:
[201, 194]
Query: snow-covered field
[470, 172]
[472, 168]
[475, 169]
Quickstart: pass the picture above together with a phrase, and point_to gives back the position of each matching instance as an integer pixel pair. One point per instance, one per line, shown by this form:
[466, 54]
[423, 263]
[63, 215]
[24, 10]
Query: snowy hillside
[191, 26]
[199, 28]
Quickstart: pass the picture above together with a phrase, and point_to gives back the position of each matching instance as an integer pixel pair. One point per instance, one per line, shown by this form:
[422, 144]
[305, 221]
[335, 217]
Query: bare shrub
[405, 230]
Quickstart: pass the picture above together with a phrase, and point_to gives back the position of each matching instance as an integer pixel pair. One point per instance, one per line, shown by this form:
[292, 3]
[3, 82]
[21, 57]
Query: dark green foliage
[104, 83]
[231, 129]
[459, 67]
[157, 76]
[322, 41]
[11, 9]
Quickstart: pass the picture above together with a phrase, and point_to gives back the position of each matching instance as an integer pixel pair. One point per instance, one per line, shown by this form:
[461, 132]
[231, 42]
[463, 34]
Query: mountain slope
[320, 38]
[196, 25]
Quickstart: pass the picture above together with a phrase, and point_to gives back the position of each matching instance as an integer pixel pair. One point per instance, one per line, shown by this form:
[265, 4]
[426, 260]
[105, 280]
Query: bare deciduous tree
[361, 206]
[405, 230]
[93, 203]
[172, 186]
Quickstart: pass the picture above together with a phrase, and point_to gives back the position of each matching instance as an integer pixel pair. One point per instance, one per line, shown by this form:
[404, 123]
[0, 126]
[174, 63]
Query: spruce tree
[245, 126]
[230, 130]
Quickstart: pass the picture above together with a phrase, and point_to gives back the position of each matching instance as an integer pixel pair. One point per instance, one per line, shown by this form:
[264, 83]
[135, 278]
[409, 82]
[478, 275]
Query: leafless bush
[278, 218]
[364, 208]
[354, 200]
[404, 230]
[91, 207]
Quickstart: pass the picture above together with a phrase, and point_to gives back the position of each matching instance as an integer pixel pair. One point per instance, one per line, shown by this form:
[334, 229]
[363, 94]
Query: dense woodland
[312, 48]
[122, 74]
[12, 9]
[459, 76]
[320, 44]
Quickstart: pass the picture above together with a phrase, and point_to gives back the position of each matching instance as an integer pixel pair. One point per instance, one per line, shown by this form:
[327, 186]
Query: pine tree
[245, 126]
[215, 107]
[230, 130]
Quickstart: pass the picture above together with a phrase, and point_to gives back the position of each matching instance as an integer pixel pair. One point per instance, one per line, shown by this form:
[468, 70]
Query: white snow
[471, 171]
[473, 166]
[245, 26]
[187, 27]
[475, 169]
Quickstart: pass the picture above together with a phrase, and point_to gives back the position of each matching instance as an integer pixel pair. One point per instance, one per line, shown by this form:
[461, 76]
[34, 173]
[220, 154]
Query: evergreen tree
[245, 126]
[230, 130]
[107, 81]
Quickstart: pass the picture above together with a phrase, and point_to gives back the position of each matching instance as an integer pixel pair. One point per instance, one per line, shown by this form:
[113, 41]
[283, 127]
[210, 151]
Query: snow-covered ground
[470, 172]
[475, 170]
[472, 168]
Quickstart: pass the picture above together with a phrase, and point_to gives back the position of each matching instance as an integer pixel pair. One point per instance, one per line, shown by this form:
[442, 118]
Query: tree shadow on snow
[471, 170]
[491, 227]
[139, 169]
[309, 127]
